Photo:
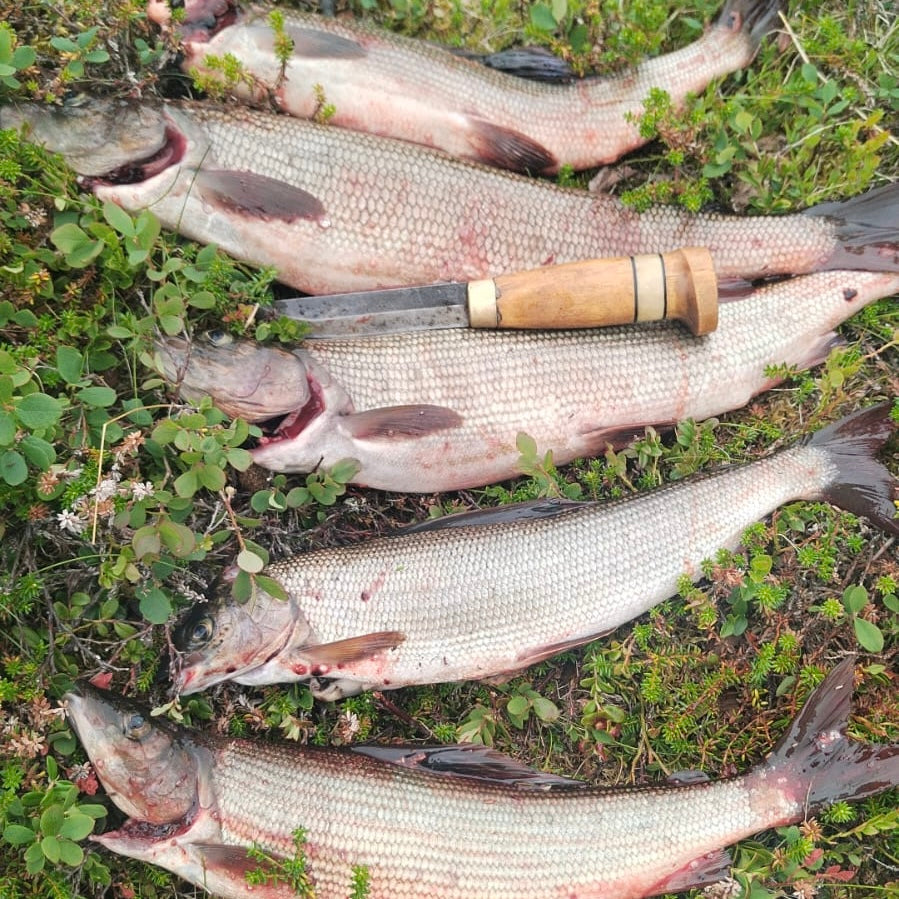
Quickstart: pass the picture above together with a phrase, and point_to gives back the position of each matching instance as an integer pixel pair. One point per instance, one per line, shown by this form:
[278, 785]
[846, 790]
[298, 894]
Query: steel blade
[389, 322]
[374, 301]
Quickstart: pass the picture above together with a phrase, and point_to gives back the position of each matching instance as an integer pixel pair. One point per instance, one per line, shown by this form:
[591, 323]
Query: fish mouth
[136, 171]
[136, 832]
[290, 426]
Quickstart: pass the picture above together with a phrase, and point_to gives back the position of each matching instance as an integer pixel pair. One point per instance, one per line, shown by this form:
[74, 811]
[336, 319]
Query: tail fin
[862, 486]
[755, 17]
[867, 230]
[818, 762]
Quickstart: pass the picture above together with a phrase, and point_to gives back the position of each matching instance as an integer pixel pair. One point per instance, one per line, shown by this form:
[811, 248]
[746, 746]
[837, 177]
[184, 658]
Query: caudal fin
[862, 486]
[867, 230]
[817, 761]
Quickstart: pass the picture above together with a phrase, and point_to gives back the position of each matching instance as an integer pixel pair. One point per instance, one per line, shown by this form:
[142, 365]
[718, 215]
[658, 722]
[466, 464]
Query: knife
[677, 285]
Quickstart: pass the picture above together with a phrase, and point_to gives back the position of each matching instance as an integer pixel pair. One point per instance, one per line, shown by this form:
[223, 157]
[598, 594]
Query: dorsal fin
[311, 43]
[470, 761]
[532, 509]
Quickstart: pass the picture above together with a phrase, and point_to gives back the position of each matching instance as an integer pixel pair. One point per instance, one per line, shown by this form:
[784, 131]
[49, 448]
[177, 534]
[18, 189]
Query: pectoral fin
[392, 422]
[353, 649]
[257, 196]
[509, 149]
[471, 761]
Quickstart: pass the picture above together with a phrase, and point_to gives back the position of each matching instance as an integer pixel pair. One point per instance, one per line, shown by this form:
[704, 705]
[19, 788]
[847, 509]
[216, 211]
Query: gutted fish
[441, 410]
[450, 822]
[490, 592]
[334, 210]
[398, 87]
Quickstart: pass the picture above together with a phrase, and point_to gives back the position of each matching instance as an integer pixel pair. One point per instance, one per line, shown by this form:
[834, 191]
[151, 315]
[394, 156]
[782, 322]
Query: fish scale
[492, 592]
[333, 210]
[447, 220]
[572, 840]
[452, 822]
[498, 593]
[573, 392]
[388, 84]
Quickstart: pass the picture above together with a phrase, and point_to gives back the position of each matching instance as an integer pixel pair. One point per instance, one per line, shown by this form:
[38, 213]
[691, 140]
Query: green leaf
[155, 606]
[242, 588]
[17, 835]
[37, 411]
[79, 248]
[97, 396]
[70, 853]
[545, 709]
[271, 586]
[146, 541]
[211, 477]
[542, 17]
[95, 810]
[13, 469]
[855, 599]
[69, 363]
[187, 483]
[527, 446]
[34, 858]
[868, 635]
[76, 826]
[517, 707]
[344, 470]
[51, 819]
[7, 428]
[239, 458]
[50, 848]
[38, 452]
[249, 561]
[178, 539]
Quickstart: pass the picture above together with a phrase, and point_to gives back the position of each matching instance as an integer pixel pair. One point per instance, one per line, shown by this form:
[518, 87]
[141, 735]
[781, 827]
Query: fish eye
[201, 633]
[136, 727]
[218, 337]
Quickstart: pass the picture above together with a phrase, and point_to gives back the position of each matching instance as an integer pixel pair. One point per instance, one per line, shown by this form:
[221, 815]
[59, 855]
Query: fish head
[147, 765]
[96, 137]
[245, 380]
[296, 399]
[225, 639]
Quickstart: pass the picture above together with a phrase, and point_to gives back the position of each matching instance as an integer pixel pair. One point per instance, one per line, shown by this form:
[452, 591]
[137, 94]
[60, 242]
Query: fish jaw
[222, 641]
[96, 138]
[147, 767]
[246, 380]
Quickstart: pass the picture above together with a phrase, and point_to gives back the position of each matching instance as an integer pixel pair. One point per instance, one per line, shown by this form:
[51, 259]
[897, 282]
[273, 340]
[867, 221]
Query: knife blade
[595, 293]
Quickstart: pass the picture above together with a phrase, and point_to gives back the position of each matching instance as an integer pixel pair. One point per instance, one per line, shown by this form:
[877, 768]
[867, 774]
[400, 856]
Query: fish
[488, 593]
[442, 410]
[451, 822]
[399, 87]
[335, 211]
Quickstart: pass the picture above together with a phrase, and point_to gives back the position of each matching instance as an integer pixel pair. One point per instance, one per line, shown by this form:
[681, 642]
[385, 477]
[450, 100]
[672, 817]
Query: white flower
[141, 490]
[105, 489]
[69, 521]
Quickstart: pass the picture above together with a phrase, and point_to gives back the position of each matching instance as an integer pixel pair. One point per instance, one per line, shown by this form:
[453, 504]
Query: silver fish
[450, 822]
[398, 87]
[336, 211]
[441, 410]
[487, 593]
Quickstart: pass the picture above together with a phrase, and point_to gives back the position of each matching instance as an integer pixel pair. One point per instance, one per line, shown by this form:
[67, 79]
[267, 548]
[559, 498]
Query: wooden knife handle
[681, 284]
